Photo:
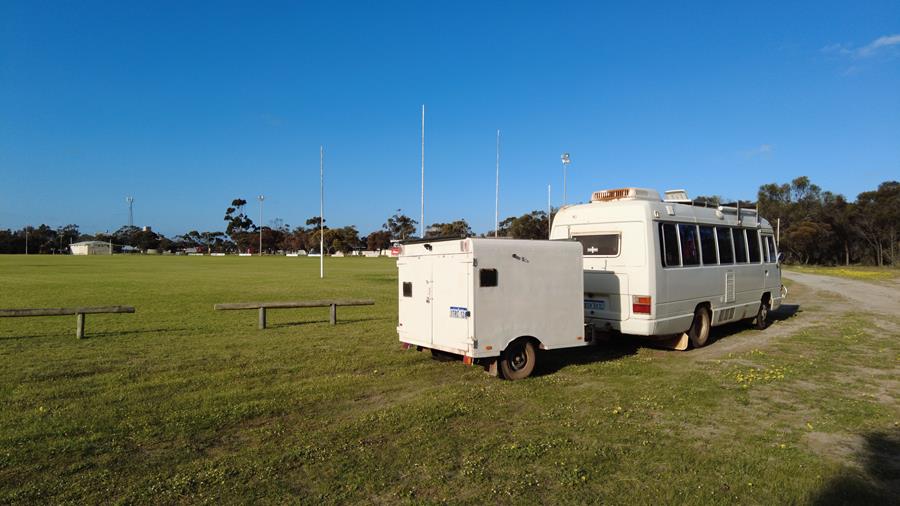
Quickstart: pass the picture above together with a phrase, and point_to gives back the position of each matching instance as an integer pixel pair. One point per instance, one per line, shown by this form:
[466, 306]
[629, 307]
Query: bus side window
[668, 241]
[726, 254]
[740, 250]
[770, 245]
[690, 251]
[753, 245]
[708, 246]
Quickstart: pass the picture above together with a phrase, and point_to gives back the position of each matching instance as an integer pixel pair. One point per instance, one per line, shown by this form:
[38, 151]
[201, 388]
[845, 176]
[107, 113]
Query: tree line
[816, 226]
[822, 227]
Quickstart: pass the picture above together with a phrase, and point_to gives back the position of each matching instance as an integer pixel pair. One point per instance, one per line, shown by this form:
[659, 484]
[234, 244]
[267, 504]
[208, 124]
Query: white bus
[671, 268]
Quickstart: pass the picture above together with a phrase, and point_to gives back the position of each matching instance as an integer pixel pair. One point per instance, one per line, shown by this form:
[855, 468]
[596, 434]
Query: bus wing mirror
[780, 257]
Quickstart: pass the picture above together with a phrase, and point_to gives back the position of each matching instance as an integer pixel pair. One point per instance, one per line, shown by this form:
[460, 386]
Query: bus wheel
[699, 331]
[762, 316]
[517, 361]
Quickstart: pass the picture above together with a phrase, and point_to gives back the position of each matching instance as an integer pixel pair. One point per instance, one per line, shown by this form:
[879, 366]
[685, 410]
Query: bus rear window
[726, 255]
[753, 245]
[740, 250]
[606, 245]
[690, 249]
[668, 241]
[708, 246]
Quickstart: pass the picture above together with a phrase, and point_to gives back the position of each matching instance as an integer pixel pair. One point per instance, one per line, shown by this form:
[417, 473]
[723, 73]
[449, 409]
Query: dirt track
[879, 298]
[812, 300]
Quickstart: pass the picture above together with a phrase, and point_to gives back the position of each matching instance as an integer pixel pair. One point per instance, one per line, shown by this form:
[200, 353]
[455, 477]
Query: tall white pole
[549, 210]
[321, 211]
[422, 213]
[497, 191]
[261, 198]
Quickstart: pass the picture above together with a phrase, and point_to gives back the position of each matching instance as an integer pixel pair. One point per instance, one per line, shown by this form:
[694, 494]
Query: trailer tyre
[517, 361]
[699, 331]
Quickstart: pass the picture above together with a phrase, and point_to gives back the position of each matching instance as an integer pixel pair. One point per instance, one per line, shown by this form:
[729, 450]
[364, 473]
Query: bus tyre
[517, 361]
[762, 316]
[699, 331]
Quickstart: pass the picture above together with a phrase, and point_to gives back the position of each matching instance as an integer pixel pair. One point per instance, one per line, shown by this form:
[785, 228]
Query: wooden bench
[263, 306]
[79, 313]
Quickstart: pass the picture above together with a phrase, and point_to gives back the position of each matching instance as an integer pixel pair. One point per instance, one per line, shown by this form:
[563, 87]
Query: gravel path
[878, 298]
[803, 309]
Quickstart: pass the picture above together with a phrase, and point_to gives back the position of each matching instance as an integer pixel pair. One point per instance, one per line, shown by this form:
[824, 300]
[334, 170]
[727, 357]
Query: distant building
[91, 248]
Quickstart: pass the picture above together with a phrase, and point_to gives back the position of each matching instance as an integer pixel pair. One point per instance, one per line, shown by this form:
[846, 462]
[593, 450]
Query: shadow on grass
[878, 482]
[551, 361]
[783, 313]
[607, 350]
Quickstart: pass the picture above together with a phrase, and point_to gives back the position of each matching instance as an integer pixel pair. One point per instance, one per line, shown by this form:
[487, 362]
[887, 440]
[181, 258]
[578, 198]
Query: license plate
[458, 312]
[595, 305]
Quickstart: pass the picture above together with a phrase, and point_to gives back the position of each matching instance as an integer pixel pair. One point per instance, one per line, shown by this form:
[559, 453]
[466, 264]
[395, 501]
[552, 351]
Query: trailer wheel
[517, 361]
[699, 331]
[762, 316]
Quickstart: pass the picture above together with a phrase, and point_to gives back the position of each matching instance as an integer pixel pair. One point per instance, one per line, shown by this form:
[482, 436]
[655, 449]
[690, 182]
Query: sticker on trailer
[458, 312]
[595, 305]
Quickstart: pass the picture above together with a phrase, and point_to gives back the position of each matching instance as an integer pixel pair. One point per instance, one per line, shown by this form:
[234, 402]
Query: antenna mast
[497, 191]
[321, 211]
[422, 214]
[130, 201]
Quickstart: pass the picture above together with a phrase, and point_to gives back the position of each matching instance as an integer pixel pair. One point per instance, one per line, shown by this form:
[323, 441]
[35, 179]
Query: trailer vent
[625, 193]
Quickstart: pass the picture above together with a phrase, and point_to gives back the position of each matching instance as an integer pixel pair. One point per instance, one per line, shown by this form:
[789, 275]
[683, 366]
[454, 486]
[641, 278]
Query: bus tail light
[640, 304]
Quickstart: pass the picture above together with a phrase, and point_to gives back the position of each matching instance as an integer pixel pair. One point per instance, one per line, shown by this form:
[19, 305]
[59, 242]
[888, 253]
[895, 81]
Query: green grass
[851, 272]
[178, 403]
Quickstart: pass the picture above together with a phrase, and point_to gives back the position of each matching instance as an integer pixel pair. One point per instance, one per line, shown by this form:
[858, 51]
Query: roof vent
[624, 194]
[677, 196]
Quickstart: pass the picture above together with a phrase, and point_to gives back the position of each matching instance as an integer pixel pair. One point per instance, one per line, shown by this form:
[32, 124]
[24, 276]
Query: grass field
[863, 273]
[181, 404]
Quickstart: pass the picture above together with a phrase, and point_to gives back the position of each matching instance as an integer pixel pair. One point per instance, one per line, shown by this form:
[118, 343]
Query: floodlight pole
[497, 191]
[422, 212]
[565, 163]
[260, 198]
[321, 212]
[26, 239]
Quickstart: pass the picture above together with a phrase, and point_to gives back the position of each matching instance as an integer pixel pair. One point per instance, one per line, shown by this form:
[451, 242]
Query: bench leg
[79, 325]
[262, 318]
[334, 314]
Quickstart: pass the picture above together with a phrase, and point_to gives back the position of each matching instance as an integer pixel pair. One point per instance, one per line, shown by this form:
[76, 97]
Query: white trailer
[492, 301]
[670, 267]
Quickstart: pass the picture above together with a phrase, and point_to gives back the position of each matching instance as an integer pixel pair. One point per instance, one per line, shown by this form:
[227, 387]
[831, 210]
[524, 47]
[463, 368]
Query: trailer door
[415, 294]
[451, 310]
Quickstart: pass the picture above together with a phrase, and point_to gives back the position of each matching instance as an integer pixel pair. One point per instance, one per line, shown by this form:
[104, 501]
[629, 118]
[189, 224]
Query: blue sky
[187, 105]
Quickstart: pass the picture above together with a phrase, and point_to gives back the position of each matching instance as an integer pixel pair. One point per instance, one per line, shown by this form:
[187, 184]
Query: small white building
[91, 248]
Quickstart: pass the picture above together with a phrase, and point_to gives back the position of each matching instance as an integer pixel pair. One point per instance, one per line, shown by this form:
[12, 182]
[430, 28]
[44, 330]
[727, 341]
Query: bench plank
[293, 304]
[64, 311]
